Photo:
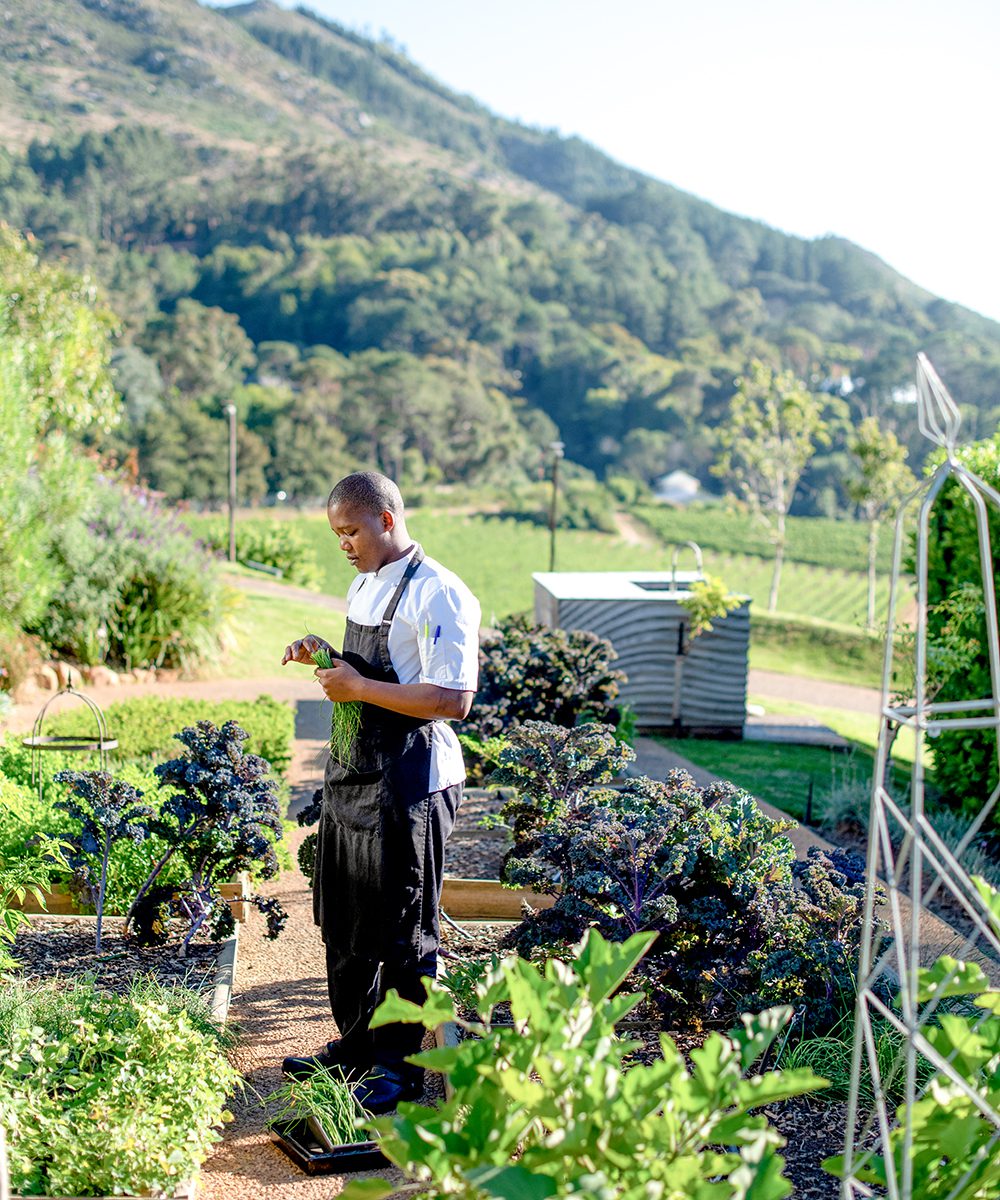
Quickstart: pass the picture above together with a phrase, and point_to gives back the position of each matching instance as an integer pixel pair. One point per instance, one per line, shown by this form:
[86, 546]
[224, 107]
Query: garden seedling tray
[302, 1147]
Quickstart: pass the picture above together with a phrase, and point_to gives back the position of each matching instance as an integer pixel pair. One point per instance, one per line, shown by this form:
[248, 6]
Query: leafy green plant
[324, 1099]
[144, 728]
[965, 761]
[947, 1134]
[29, 874]
[531, 672]
[708, 600]
[102, 1094]
[545, 1107]
[741, 923]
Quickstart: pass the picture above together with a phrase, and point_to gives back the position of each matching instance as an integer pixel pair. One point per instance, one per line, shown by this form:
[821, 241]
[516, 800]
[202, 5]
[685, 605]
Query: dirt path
[632, 531]
[821, 692]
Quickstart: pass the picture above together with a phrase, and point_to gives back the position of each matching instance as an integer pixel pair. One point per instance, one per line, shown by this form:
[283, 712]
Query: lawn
[781, 774]
[497, 555]
[778, 773]
[264, 626]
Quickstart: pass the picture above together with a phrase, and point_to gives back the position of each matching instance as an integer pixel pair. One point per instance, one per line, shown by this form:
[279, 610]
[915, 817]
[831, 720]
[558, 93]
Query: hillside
[405, 276]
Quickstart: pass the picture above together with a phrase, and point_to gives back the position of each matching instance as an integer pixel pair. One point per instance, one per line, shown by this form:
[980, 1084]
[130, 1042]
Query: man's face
[364, 536]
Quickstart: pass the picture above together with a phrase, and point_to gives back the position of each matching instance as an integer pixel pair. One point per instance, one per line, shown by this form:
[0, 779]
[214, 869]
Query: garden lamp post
[558, 449]
[231, 413]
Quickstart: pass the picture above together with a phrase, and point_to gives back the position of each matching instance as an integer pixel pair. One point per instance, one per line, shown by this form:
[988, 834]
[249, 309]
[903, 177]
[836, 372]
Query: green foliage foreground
[108, 1095]
[545, 1107]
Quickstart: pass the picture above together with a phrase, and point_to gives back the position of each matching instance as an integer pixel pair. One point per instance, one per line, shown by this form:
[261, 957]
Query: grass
[860, 728]
[497, 555]
[265, 625]
[839, 545]
[815, 649]
[777, 773]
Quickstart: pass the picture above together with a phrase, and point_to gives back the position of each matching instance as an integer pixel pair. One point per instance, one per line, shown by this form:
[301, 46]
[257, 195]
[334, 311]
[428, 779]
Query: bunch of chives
[345, 723]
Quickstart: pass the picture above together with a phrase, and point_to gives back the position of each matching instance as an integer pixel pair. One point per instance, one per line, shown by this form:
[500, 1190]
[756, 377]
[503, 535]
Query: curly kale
[222, 817]
[741, 924]
[108, 810]
[529, 671]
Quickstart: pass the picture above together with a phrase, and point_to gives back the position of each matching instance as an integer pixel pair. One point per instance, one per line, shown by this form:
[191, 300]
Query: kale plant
[739, 923]
[108, 811]
[552, 769]
[532, 672]
[223, 817]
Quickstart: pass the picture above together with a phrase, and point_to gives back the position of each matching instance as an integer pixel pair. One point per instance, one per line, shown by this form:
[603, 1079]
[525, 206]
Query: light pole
[557, 449]
[231, 413]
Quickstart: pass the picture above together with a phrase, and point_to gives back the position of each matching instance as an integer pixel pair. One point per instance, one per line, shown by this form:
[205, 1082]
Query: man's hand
[302, 651]
[341, 681]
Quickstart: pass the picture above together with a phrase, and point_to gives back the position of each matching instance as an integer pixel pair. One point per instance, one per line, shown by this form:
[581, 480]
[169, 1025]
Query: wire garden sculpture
[913, 858]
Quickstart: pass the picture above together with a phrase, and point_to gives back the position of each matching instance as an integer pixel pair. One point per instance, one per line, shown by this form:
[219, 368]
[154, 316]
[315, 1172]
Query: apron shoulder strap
[397, 595]
[390, 611]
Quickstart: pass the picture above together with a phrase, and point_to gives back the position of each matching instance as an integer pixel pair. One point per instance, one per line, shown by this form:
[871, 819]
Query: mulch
[61, 948]
[474, 852]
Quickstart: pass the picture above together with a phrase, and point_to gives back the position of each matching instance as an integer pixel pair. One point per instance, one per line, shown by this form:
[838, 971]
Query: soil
[474, 852]
[63, 948]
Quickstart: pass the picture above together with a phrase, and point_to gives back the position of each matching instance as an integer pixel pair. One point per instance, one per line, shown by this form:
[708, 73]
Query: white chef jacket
[433, 638]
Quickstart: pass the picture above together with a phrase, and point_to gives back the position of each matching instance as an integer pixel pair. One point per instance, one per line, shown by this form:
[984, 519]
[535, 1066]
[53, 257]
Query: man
[411, 657]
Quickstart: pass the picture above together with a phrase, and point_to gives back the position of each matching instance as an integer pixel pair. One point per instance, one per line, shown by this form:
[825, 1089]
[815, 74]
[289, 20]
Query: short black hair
[367, 490]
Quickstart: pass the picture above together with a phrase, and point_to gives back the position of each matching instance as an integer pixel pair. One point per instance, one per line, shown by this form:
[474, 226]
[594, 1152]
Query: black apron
[370, 894]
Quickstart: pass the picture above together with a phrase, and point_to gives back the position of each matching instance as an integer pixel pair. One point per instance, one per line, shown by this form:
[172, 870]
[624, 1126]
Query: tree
[773, 429]
[200, 351]
[55, 384]
[883, 480]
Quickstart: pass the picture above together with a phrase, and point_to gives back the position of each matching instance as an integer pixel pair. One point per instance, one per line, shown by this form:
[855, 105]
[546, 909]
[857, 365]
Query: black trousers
[357, 983]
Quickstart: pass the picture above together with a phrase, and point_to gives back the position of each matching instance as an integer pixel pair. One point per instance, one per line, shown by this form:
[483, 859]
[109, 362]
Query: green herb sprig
[345, 723]
[325, 1101]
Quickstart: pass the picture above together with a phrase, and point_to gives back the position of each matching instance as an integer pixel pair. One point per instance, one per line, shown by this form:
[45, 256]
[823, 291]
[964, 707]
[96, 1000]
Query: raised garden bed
[63, 946]
[60, 901]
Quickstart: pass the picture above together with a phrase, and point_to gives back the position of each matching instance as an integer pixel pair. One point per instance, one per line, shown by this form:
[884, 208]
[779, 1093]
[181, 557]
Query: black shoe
[336, 1054]
[385, 1087]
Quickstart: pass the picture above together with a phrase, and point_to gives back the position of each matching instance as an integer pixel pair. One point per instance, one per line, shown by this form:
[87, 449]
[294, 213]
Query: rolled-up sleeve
[448, 637]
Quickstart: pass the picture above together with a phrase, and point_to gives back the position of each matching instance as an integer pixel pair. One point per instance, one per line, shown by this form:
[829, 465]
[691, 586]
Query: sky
[872, 119]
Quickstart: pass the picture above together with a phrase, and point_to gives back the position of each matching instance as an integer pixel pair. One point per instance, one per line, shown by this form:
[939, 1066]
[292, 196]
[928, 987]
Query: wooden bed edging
[487, 900]
[60, 902]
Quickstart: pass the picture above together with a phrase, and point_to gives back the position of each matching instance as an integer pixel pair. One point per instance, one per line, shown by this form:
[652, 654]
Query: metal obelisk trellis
[917, 863]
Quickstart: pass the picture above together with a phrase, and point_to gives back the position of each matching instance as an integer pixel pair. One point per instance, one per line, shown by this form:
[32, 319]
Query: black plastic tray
[301, 1146]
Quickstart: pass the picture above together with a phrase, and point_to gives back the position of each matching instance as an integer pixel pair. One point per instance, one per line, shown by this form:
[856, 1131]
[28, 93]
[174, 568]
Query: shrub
[531, 672]
[546, 1108]
[740, 923]
[948, 1135]
[276, 544]
[144, 728]
[965, 761]
[136, 588]
[103, 1094]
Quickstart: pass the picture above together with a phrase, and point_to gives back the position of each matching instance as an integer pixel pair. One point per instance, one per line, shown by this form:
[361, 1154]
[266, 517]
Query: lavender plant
[108, 810]
[221, 818]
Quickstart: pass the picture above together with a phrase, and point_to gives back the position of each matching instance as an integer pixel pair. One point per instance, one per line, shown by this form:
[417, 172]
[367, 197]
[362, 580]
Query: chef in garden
[410, 658]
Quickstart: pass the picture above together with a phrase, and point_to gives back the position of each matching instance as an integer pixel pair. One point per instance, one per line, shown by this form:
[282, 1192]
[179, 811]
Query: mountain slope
[378, 236]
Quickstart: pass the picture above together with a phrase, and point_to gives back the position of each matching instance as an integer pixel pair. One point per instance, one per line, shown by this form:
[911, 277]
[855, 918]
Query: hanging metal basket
[69, 743]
